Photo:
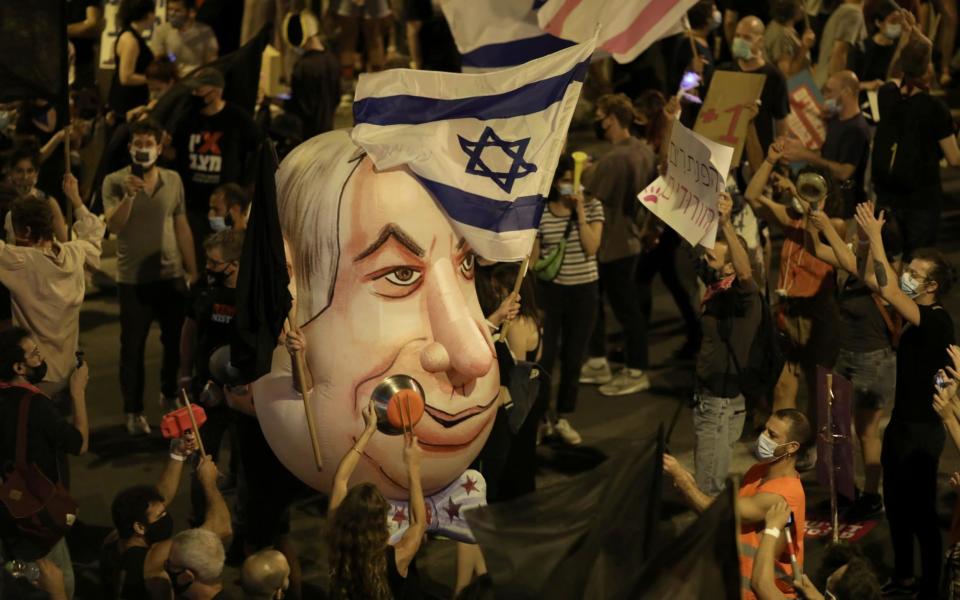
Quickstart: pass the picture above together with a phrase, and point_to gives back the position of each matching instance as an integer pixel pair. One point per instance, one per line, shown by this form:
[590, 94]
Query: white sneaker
[137, 425]
[595, 373]
[626, 382]
[567, 433]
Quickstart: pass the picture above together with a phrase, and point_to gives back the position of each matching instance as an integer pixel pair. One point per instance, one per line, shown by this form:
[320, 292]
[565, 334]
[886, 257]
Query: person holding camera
[914, 438]
[48, 436]
[144, 206]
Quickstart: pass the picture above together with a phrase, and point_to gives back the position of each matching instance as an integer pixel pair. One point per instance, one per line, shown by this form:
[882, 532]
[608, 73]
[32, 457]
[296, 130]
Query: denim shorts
[873, 374]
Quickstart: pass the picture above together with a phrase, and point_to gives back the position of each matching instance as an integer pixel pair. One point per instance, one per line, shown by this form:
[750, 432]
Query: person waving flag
[485, 145]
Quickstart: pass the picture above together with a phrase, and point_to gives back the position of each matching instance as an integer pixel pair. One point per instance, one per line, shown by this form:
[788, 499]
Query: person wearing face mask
[846, 147]
[228, 208]
[730, 319]
[773, 479]
[570, 299]
[214, 143]
[128, 89]
[784, 47]
[914, 438]
[209, 324]
[187, 41]
[747, 48]
[195, 566]
[154, 257]
[49, 435]
[265, 576]
[141, 520]
[885, 24]
[615, 181]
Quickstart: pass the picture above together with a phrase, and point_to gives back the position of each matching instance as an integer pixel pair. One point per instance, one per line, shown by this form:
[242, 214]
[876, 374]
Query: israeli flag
[485, 145]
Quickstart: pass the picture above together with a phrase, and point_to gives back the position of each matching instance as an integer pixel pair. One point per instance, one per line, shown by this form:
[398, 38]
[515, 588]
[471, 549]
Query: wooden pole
[193, 421]
[516, 288]
[303, 384]
[834, 516]
[66, 169]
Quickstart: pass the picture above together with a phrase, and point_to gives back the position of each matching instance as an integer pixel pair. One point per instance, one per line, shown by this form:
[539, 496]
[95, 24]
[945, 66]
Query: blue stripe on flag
[515, 52]
[404, 109]
[496, 216]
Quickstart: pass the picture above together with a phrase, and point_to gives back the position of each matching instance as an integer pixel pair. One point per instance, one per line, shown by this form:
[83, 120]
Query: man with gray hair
[195, 565]
[265, 576]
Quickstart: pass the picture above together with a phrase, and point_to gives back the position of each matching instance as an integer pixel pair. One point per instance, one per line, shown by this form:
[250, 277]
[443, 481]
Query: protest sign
[806, 103]
[685, 198]
[723, 118]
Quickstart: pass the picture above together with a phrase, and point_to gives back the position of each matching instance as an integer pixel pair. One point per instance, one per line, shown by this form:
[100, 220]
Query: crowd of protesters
[825, 259]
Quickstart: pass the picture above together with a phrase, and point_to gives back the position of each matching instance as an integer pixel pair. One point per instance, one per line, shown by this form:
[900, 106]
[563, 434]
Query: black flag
[33, 52]
[702, 563]
[577, 539]
[263, 300]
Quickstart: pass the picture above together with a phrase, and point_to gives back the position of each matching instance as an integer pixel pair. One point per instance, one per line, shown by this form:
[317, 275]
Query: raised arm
[738, 254]
[118, 201]
[886, 277]
[217, 517]
[754, 192]
[180, 450]
[406, 549]
[349, 462]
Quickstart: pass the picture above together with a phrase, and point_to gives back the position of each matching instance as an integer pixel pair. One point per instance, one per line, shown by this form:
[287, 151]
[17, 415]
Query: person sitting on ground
[141, 520]
[851, 579]
[228, 207]
[773, 479]
[195, 566]
[265, 575]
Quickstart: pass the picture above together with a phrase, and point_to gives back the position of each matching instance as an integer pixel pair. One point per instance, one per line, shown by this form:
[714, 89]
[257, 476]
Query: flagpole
[303, 384]
[66, 170]
[516, 289]
[834, 517]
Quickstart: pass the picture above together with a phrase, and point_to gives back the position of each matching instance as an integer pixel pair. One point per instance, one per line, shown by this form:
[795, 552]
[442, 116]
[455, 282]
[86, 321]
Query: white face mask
[893, 31]
[565, 189]
[146, 157]
[766, 448]
[909, 285]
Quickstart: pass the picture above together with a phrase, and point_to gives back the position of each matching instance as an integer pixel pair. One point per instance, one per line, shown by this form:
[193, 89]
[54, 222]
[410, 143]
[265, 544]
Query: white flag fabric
[627, 27]
[485, 145]
[494, 34]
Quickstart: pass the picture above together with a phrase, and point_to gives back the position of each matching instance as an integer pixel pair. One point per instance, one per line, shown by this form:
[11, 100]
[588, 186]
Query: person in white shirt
[46, 278]
[188, 43]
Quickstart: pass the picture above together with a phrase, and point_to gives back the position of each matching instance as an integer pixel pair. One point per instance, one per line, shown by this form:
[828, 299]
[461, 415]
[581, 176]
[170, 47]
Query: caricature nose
[460, 347]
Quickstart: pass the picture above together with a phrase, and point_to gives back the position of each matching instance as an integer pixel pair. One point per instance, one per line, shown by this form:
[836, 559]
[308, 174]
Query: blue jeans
[717, 423]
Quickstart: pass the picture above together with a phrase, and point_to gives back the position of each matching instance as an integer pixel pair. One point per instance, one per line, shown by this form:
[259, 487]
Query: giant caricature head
[384, 286]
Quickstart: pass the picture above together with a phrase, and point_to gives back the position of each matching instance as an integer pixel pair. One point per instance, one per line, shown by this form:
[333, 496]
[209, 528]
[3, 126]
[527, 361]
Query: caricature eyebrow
[390, 230]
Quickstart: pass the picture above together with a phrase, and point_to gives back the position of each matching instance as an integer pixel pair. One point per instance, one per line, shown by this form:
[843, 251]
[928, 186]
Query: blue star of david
[515, 150]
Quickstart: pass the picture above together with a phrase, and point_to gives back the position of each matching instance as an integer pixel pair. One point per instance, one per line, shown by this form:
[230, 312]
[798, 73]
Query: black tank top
[402, 588]
[124, 97]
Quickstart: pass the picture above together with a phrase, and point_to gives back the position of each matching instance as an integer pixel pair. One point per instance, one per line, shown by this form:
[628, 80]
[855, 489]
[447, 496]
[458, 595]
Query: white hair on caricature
[310, 183]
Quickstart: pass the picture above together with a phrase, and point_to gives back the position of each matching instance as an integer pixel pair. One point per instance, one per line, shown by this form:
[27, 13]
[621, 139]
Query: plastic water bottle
[19, 568]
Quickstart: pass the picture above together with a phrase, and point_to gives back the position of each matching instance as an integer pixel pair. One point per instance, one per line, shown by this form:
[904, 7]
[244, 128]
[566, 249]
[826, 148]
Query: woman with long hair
[362, 562]
[129, 89]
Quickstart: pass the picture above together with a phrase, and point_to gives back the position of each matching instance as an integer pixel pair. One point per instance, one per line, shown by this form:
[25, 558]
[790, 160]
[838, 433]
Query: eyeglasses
[920, 277]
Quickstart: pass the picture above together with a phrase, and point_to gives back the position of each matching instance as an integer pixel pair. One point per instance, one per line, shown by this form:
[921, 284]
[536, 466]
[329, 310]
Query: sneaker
[596, 372]
[137, 425]
[865, 507]
[567, 433]
[894, 589]
[628, 381]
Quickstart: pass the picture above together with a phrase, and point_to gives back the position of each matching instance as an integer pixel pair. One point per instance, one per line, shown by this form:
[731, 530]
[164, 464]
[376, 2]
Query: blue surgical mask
[767, 448]
[742, 49]
[565, 189]
[831, 106]
[218, 223]
[893, 31]
[909, 285]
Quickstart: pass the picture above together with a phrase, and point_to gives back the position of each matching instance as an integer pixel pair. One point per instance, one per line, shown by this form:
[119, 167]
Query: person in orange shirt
[775, 478]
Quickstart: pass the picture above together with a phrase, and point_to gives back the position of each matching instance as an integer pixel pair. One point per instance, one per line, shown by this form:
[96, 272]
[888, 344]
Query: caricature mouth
[447, 420]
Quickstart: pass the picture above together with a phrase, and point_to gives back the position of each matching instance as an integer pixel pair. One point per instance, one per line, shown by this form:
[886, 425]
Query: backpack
[765, 361]
[41, 511]
[895, 159]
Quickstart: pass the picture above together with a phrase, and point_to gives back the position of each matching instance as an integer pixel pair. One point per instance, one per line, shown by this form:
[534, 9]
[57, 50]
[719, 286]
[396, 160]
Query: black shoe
[866, 506]
[893, 589]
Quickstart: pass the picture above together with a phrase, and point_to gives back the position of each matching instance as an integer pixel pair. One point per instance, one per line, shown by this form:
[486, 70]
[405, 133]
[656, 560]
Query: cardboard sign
[722, 117]
[806, 103]
[112, 28]
[685, 198]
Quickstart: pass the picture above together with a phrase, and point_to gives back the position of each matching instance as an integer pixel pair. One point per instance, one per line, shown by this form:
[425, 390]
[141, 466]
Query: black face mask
[197, 102]
[216, 278]
[179, 589]
[707, 274]
[36, 374]
[599, 130]
[159, 530]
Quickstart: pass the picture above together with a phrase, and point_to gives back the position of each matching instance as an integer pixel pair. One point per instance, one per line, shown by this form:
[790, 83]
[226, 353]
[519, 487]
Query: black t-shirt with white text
[214, 309]
[212, 150]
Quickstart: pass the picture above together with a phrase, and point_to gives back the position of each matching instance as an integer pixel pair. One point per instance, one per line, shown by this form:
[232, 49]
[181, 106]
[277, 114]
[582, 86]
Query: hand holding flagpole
[303, 383]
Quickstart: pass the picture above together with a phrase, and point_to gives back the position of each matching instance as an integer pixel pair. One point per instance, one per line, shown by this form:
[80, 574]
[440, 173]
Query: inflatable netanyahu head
[384, 288]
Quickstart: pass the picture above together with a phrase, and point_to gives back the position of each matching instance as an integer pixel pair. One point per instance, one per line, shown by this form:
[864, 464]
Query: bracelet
[772, 531]
[767, 160]
[177, 457]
